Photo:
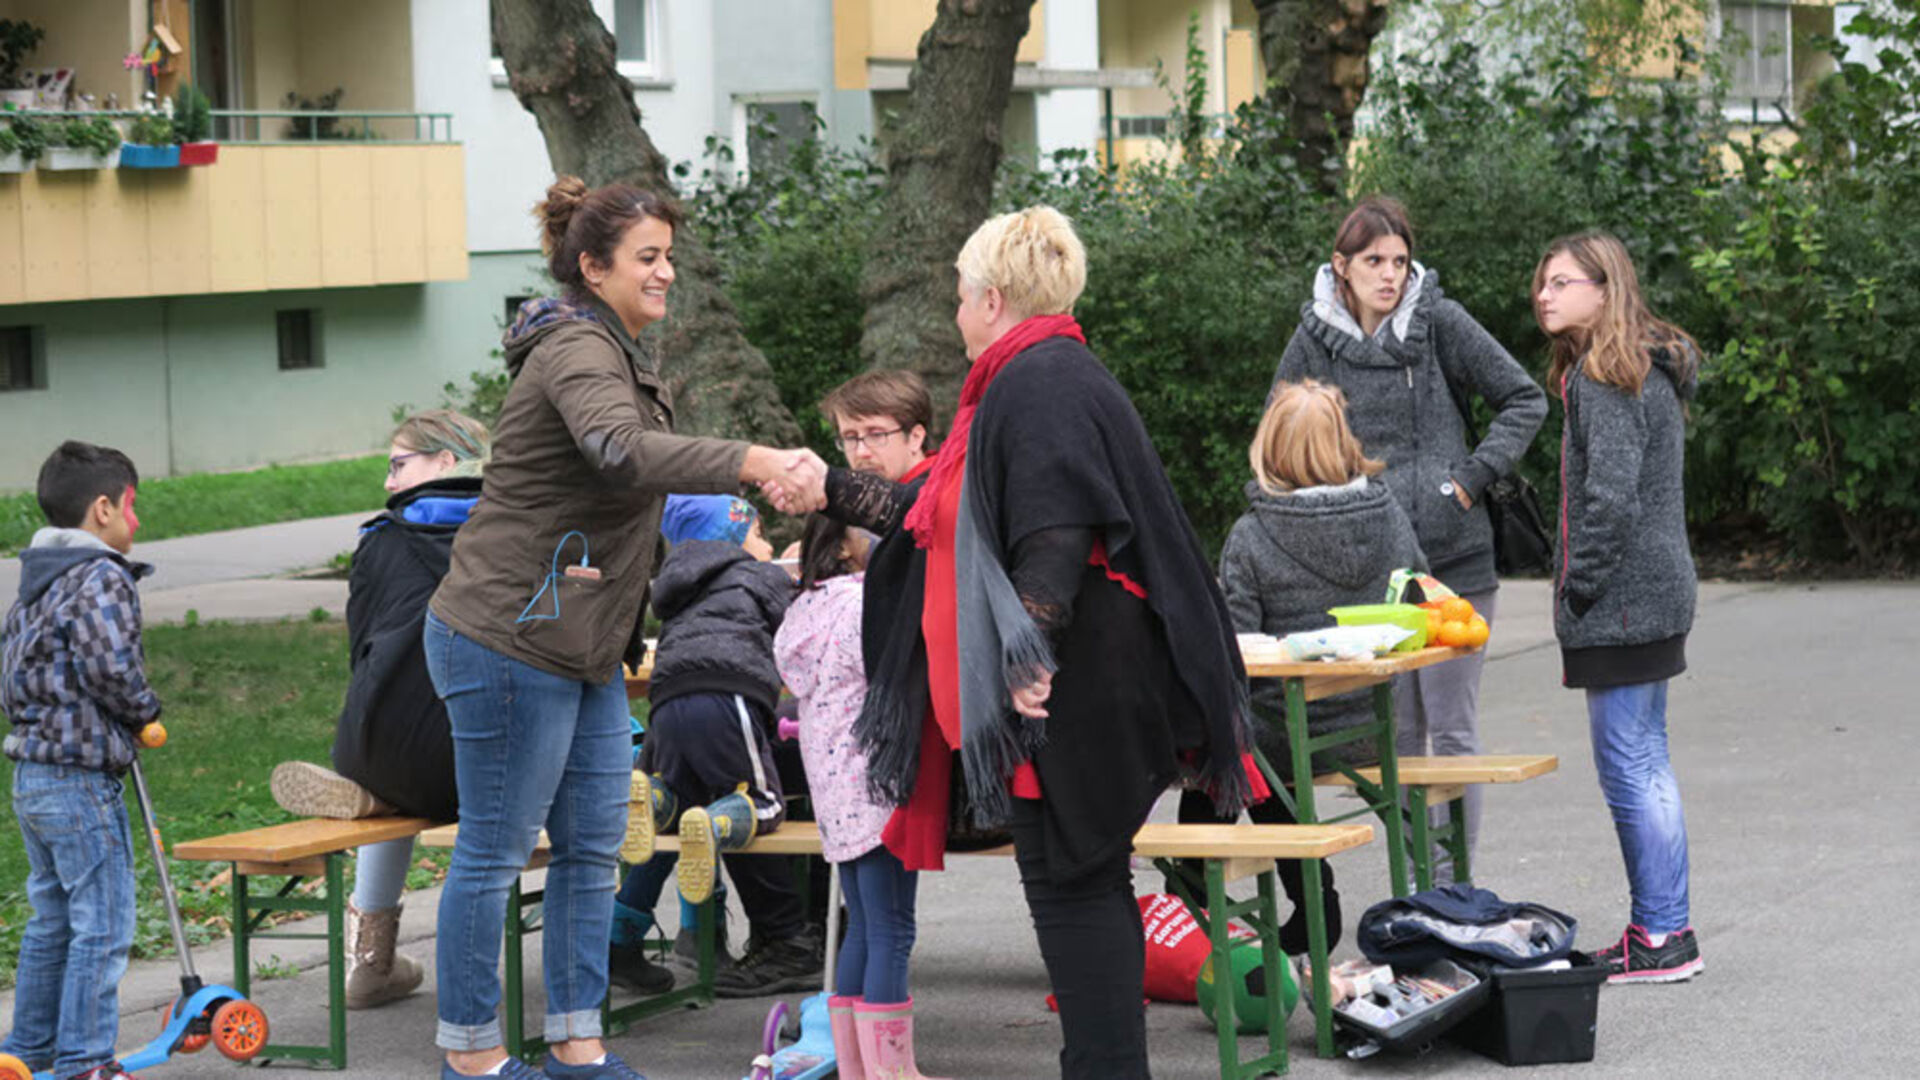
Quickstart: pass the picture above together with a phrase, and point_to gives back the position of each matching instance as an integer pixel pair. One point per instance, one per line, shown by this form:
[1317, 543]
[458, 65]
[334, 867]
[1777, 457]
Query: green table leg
[336, 962]
[1224, 1023]
[1272, 960]
[514, 987]
[1392, 809]
[1317, 949]
[1422, 840]
[242, 935]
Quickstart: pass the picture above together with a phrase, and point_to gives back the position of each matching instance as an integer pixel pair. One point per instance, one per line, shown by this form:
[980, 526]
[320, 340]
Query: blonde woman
[1040, 604]
[1624, 581]
[1321, 531]
[393, 748]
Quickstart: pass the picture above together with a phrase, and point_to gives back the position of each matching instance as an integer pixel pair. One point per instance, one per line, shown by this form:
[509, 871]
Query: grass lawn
[211, 502]
[239, 700]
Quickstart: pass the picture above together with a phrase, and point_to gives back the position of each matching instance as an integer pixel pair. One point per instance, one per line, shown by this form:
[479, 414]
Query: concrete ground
[1793, 743]
[241, 575]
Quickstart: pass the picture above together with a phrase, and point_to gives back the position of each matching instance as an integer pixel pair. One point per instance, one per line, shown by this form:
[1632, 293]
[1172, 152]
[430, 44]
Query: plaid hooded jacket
[74, 682]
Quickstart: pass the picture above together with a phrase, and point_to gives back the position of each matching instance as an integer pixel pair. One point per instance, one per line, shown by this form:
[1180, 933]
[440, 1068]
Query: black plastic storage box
[1537, 1017]
[1414, 1034]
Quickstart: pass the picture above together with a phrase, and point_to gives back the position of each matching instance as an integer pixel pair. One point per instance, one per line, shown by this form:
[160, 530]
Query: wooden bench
[298, 850]
[1228, 854]
[1432, 780]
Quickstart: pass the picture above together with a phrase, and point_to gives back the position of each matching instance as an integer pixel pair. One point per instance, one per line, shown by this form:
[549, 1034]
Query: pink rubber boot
[886, 1040]
[846, 1042]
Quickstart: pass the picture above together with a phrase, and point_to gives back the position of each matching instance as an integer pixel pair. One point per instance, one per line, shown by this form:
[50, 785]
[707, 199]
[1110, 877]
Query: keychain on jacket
[580, 570]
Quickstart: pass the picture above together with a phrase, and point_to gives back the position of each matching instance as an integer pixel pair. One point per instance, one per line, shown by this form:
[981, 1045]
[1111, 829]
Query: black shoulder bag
[1521, 545]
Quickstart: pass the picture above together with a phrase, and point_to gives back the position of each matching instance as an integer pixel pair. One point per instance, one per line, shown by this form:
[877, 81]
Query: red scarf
[917, 832]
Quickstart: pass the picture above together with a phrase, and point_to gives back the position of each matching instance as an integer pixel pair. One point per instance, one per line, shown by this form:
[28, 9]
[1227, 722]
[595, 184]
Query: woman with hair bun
[526, 634]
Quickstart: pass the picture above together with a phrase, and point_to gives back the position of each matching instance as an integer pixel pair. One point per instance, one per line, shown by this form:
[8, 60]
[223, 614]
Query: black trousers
[703, 747]
[1090, 938]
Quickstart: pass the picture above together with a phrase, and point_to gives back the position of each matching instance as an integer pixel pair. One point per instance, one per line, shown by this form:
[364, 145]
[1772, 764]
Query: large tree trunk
[941, 160]
[560, 62]
[1317, 72]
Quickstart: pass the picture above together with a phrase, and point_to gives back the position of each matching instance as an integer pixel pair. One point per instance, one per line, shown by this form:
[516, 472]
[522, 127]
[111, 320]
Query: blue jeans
[530, 749]
[66, 1001]
[880, 894]
[1629, 729]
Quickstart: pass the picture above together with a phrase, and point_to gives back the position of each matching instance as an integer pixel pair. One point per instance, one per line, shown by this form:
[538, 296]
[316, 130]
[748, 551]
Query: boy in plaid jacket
[74, 688]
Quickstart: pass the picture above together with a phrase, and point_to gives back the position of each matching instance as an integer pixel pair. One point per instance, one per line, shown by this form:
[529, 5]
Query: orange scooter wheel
[189, 1043]
[12, 1068]
[239, 1030]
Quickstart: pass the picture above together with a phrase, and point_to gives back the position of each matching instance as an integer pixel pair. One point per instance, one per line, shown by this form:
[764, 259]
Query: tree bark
[560, 62]
[1317, 73]
[941, 161]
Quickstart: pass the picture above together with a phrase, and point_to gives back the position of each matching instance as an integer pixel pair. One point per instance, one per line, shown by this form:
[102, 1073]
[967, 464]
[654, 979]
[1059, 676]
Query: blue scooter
[204, 1012]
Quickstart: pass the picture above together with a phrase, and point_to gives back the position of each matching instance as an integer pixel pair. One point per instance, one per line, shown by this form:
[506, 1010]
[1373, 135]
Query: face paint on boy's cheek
[133, 519]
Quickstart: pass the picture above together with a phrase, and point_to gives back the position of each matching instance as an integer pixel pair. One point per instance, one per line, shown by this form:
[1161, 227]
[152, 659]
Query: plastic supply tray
[1406, 616]
[1415, 1033]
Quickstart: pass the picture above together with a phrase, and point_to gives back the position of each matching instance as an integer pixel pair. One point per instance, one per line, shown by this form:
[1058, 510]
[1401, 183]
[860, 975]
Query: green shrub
[151, 129]
[192, 114]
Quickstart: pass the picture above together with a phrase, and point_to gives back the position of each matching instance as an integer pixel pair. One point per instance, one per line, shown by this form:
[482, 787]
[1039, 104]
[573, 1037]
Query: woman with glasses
[1411, 363]
[1624, 583]
[393, 747]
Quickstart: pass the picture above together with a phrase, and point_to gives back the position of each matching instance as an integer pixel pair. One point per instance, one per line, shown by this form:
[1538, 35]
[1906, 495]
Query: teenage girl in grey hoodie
[1379, 328]
[1319, 533]
[1624, 580]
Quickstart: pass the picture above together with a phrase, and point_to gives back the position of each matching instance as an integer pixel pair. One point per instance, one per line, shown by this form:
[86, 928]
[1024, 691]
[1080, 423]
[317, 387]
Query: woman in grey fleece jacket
[1318, 534]
[1624, 587]
[1379, 328]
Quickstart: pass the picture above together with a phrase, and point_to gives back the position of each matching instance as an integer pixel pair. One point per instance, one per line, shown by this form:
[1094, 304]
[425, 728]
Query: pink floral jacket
[818, 651]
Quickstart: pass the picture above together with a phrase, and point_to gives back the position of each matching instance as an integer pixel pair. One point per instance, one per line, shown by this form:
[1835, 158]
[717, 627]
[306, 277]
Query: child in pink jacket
[818, 652]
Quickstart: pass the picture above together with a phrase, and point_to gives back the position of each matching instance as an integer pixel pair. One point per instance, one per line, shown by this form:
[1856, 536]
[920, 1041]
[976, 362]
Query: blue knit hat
[707, 517]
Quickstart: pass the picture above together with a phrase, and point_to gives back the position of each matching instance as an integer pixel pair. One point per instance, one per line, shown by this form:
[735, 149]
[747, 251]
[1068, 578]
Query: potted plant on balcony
[22, 141]
[79, 143]
[150, 144]
[18, 39]
[193, 126]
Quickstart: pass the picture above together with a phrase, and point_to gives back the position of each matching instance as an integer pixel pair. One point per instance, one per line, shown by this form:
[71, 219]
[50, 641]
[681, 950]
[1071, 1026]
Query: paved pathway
[238, 575]
[1796, 751]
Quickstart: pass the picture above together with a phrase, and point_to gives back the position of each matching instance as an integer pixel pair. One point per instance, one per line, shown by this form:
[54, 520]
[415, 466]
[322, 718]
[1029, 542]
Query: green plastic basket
[1406, 616]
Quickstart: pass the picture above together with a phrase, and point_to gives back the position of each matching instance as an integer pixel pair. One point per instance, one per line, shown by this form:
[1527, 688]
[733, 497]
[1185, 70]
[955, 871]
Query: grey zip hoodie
[1401, 403]
[1291, 557]
[1624, 578]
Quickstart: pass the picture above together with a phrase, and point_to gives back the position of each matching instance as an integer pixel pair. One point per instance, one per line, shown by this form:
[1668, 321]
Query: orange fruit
[154, 735]
[1433, 625]
[1453, 633]
[1477, 632]
[1455, 609]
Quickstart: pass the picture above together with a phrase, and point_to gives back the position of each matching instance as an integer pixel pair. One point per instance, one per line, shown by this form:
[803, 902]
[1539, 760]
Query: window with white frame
[636, 37]
[766, 130]
[1759, 40]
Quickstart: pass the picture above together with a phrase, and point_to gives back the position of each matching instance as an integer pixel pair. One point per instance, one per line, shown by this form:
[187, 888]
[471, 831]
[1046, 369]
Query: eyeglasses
[876, 439]
[1558, 285]
[397, 460]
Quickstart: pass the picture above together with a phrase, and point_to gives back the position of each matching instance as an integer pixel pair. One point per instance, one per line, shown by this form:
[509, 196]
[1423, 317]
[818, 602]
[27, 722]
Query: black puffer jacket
[719, 609]
[393, 737]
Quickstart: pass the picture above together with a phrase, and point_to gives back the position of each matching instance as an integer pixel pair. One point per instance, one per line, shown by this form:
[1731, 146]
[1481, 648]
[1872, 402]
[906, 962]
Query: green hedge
[1795, 274]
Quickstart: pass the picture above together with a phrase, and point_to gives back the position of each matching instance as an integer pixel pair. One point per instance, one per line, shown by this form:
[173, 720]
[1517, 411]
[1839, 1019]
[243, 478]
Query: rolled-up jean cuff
[562, 1027]
[465, 1038]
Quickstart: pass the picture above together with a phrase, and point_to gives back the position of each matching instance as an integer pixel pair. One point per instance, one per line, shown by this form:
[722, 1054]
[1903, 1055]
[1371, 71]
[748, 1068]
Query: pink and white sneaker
[1636, 959]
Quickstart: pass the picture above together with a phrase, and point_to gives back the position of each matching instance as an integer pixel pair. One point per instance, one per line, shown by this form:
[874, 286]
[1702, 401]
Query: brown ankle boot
[376, 974]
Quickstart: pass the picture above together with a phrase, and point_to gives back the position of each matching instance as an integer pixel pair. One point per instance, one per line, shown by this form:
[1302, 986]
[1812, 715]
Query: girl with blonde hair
[1624, 581]
[1319, 532]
